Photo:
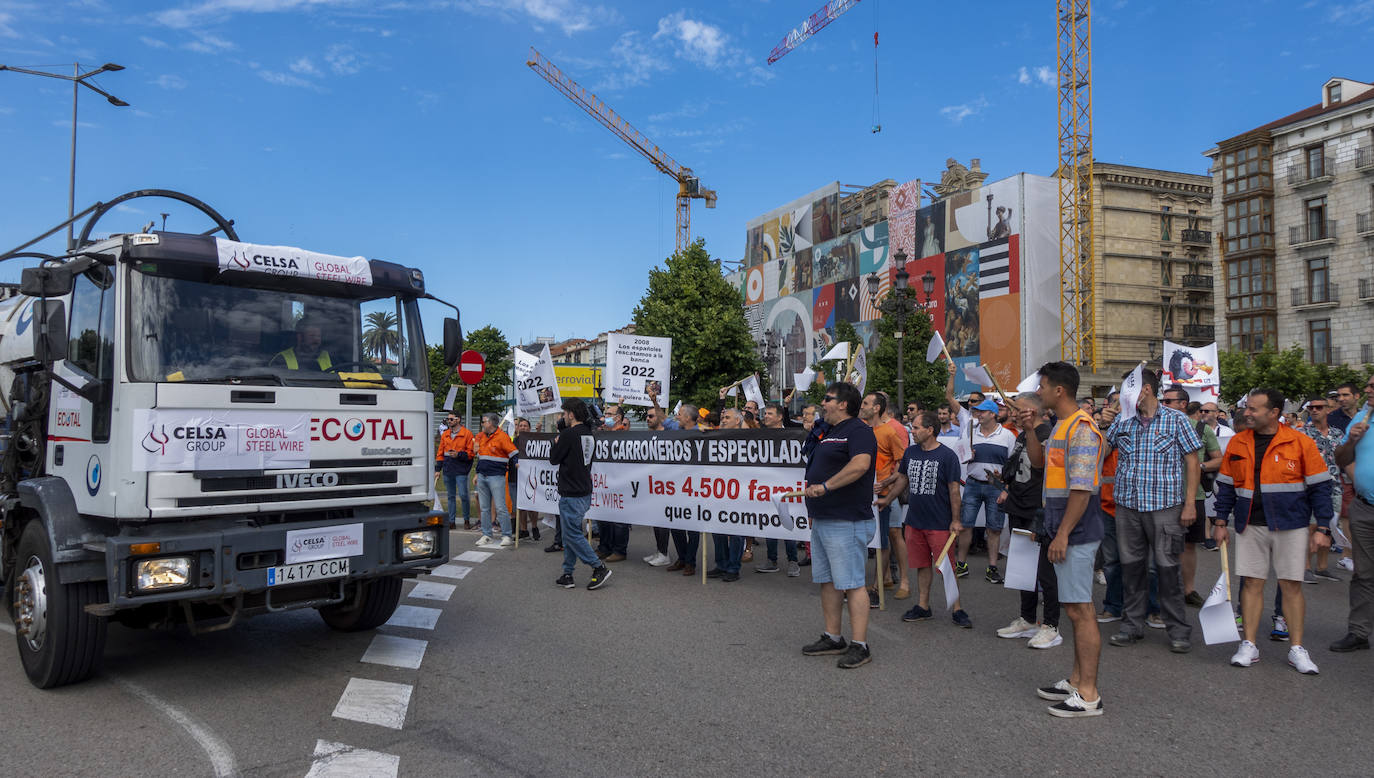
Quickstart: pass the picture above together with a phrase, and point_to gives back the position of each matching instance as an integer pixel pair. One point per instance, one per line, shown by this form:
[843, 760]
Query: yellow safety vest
[289, 357]
[1057, 452]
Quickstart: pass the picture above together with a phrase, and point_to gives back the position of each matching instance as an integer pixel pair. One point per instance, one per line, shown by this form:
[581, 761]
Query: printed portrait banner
[722, 482]
[634, 363]
[536, 386]
[1190, 366]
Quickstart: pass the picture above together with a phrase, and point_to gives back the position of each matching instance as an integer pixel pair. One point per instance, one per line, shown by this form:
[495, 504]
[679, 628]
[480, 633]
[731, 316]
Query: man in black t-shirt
[1021, 499]
[839, 503]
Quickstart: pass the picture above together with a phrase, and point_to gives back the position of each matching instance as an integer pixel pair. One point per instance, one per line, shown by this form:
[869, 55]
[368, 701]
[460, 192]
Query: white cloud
[6, 25]
[170, 81]
[958, 113]
[1351, 13]
[126, 208]
[217, 10]
[66, 124]
[153, 43]
[284, 79]
[343, 60]
[688, 110]
[304, 67]
[1042, 75]
[702, 43]
[1022, 77]
[633, 62]
[570, 16]
[206, 43]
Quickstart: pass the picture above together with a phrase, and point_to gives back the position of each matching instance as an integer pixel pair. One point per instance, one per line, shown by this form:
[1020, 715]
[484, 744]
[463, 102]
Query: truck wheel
[59, 643]
[378, 601]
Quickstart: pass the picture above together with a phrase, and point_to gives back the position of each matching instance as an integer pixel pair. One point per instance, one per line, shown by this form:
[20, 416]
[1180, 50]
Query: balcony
[1367, 290]
[1196, 237]
[1364, 224]
[1316, 295]
[1191, 281]
[1313, 233]
[1199, 332]
[1364, 159]
[1304, 175]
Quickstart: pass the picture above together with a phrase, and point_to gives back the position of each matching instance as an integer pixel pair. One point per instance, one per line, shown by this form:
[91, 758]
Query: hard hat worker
[307, 349]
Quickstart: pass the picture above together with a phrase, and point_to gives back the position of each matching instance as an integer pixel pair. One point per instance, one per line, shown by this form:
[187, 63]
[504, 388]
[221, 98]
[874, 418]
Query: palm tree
[380, 337]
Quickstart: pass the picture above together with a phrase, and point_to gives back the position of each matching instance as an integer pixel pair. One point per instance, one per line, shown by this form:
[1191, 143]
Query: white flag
[951, 582]
[803, 380]
[732, 391]
[1113, 391]
[750, 387]
[977, 374]
[1029, 384]
[536, 387]
[676, 408]
[840, 351]
[936, 347]
[858, 374]
[508, 421]
[1130, 390]
[1217, 619]
[784, 514]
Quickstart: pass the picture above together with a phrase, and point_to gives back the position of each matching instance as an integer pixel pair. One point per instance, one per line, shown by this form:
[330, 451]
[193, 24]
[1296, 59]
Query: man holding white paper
[1023, 502]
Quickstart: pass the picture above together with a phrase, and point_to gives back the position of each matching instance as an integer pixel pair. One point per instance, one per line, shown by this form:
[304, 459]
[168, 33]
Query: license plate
[307, 571]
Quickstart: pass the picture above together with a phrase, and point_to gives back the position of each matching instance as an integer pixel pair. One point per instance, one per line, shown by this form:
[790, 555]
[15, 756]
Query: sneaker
[961, 619]
[872, 599]
[1020, 628]
[961, 569]
[599, 577]
[826, 645]
[1107, 617]
[1076, 707]
[1351, 642]
[1154, 621]
[1326, 574]
[566, 581]
[856, 656]
[657, 559]
[1246, 655]
[793, 569]
[771, 566]
[1210, 545]
[1346, 563]
[1061, 690]
[992, 576]
[1192, 599]
[917, 613]
[1298, 658]
[1280, 630]
[506, 542]
[1309, 577]
[1335, 549]
[1100, 577]
[1046, 637]
[483, 540]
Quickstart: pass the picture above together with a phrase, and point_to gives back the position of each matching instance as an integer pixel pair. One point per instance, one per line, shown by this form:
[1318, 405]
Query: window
[1249, 224]
[1316, 162]
[1319, 341]
[1246, 170]
[1316, 218]
[1250, 284]
[1166, 223]
[91, 341]
[1166, 316]
[1166, 269]
[1333, 93]
[1318, 274]
[1252, 333]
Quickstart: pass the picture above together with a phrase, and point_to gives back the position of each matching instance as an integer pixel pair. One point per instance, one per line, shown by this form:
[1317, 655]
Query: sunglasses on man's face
[830, 398]
[1316, 407]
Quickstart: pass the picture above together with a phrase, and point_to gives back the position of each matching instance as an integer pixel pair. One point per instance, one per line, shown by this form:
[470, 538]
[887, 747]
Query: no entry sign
[471, 367]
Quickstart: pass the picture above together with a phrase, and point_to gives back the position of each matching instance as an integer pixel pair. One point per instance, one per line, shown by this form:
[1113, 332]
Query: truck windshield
[248, 328]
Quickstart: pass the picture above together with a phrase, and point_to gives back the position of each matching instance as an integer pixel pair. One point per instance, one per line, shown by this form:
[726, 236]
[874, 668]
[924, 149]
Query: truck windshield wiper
[242, 378]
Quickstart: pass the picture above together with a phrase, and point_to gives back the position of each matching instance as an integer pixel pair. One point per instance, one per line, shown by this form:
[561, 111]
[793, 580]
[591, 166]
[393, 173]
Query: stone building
[1293, 199]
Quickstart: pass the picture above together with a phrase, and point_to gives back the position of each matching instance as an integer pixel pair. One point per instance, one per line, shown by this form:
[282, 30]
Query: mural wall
[989, 253]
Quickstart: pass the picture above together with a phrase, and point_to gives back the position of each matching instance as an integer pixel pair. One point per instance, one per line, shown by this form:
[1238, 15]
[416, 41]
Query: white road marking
[396, 651]
[432, 590]
[375, 702]
[473, 556]
[8, 628]
[216, 750]
[414, 616]
[456, 572]
[336, 760]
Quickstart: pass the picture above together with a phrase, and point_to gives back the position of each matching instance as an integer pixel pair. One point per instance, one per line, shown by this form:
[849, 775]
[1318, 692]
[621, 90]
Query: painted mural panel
[961, 302]
[825, 218]
[836, 260]
[873, 241]
[801, 271]
[929, 226]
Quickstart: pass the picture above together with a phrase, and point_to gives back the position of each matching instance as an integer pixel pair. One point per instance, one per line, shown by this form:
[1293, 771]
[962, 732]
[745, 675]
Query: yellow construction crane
[1077, 267]
[689, 186]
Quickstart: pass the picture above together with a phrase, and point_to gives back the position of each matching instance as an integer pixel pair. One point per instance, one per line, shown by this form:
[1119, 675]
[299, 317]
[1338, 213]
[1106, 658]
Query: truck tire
[379, 598]
[59, 643]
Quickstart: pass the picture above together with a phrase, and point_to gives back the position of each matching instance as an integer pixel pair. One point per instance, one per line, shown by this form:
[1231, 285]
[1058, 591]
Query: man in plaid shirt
[1156, 477]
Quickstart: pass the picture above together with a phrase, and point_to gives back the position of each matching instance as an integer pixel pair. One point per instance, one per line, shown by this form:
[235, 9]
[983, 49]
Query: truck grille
[245, 483]
[313, 494]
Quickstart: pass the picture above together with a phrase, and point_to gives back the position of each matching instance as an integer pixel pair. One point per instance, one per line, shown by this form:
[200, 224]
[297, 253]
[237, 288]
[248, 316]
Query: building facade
[1153, 236]
[1293, 201]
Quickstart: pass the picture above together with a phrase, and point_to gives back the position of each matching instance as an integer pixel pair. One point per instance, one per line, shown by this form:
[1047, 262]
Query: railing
[1367, 289]
[1303, 173]
[1364, 159]
[1317, 294]
[1366, 353]
[1199, 331]
[1196, 236]
[1363, 223]
[1311, 232]
[1193, 281]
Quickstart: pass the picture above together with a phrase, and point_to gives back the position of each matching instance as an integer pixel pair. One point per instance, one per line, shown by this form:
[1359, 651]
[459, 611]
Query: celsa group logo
[93, 475]
[156, 442]
[529, 486]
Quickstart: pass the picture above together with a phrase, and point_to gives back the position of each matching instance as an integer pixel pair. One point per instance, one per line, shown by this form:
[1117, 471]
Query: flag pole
[1226, 571]
[944, 551]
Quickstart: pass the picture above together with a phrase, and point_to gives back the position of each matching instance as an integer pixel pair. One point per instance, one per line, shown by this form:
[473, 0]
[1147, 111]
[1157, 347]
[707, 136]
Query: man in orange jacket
[1273, 478]
[495, 452]
[453, 458]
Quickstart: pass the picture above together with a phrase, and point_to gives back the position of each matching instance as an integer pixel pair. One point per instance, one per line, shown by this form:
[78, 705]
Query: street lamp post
[900, 304]
[78, 79]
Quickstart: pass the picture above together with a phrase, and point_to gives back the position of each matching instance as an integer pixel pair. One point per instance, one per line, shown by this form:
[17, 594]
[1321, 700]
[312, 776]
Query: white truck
[199, 430]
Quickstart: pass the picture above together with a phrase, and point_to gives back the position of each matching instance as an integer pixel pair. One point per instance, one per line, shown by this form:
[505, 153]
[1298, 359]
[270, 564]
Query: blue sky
[413, 131]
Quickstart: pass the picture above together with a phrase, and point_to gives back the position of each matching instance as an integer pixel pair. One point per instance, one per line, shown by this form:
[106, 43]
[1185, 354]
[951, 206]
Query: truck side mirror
[453, 342]
[50, 334]
[46, 281]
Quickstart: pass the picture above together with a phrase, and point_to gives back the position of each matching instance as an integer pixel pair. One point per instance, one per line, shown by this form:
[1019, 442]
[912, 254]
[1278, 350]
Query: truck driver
[307, 348]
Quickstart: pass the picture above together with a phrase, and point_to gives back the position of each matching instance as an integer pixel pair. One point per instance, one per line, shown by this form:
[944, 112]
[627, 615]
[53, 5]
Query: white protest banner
[1023, 559]
[634, 365]
[858, 369]
[1217, 619]
[536, 388]
[194, 439]
[977, 374]
[936, 347]
[803, 380]
[1130, 390]
[1029, 384]
[451, 397]
[288, 261]
[750, 387]
[839, 351]
[1190, 366]
[722, 481]
[951, 582]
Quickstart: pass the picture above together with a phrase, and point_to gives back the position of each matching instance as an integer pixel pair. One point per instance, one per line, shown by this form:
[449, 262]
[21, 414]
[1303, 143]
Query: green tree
[1287, 371]
[691, 302]
[831, 370]
[923, 381]
[380, 337]
[488, 394]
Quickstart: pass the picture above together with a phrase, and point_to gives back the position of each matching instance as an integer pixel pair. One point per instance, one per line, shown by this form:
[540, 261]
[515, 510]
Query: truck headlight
[417, 544]
[170, 572]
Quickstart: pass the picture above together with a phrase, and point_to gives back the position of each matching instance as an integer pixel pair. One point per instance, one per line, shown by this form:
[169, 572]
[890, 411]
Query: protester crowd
[1121, 499]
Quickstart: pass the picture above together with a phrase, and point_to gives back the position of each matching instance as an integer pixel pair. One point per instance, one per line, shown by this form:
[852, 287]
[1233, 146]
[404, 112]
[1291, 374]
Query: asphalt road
[658, 674]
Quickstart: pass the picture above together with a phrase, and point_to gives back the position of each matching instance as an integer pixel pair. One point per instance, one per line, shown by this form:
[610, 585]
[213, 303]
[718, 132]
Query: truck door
[78, 427]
